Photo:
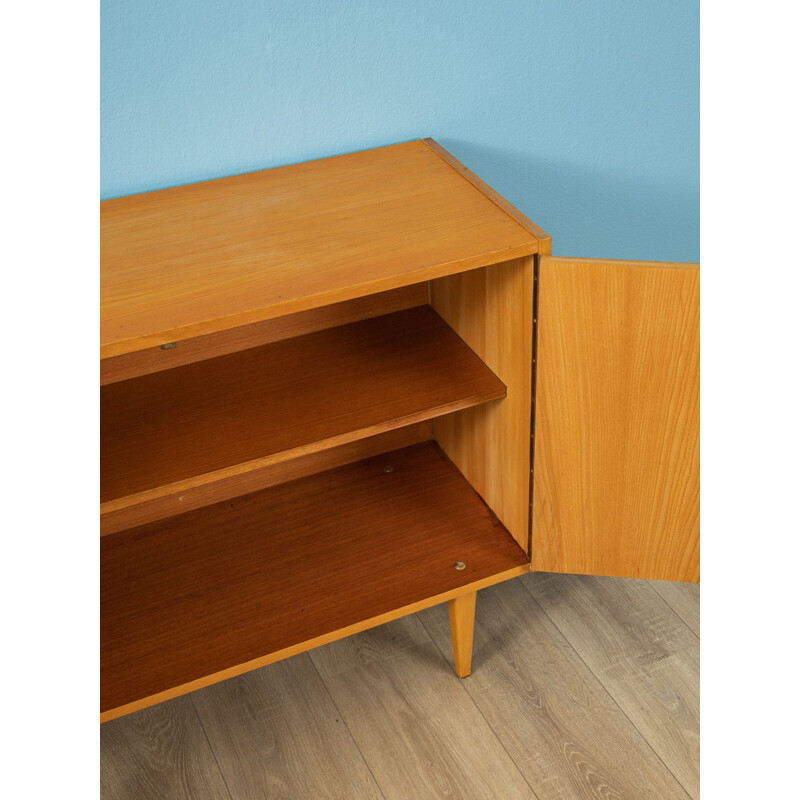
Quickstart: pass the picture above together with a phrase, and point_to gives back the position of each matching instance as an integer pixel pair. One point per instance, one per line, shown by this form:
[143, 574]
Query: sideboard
[338, 392]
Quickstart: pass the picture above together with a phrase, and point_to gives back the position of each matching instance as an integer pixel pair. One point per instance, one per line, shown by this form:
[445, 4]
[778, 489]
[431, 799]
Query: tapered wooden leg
[462, 625]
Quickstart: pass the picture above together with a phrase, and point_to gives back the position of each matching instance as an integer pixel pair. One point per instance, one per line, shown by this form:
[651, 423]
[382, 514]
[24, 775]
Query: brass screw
[388, 468]
[460, 565]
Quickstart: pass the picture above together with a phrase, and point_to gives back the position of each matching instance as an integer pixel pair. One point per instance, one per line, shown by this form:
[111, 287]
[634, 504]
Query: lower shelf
[210, 594]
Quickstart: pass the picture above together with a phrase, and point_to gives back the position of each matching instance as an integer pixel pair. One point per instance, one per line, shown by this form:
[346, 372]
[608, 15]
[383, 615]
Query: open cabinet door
[616, 484]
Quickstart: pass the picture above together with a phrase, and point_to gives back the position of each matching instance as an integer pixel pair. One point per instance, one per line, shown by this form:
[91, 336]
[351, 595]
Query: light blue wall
[584, 114]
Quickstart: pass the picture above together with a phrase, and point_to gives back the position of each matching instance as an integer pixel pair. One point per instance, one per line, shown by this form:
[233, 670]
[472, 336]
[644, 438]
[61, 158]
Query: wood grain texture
[277, 734]
[416, 727]
[191, 600]
[461, 611]
[192, 260]
[162, 753]
[173, 431]
[643, 654]
[120, 515]
[492, 311]
[559, 725]
[616, 468]
[683, 599]
[154, 359]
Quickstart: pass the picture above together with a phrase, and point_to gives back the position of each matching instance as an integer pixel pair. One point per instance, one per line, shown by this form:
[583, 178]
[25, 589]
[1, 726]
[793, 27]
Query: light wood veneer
[212, 256]
[617, 453]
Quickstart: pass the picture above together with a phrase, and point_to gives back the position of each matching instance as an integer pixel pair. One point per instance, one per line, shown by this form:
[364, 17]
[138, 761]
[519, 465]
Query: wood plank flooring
[581, 688]
[647, 659]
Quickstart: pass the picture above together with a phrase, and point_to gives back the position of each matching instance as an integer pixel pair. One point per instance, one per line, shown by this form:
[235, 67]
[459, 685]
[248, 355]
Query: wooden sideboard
[318, 392]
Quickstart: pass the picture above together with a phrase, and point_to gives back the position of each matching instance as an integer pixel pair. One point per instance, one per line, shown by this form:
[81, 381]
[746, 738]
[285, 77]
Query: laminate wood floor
[582, 687]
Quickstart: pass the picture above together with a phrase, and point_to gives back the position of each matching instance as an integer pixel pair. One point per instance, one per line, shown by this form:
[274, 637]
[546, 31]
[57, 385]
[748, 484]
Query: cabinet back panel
[128, 516]
[154, 359]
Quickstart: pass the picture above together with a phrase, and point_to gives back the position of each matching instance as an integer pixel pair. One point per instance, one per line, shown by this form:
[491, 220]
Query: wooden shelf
[213, 256]
[216, 592]
[174, 434]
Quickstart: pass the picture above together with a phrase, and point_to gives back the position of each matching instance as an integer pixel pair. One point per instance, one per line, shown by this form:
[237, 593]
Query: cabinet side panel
[491, 309]
[617, 457]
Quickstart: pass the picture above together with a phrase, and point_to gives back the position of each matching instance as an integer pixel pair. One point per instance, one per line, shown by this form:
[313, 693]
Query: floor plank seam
[610, 695]
[675, 611]
[477, 707]
[347, 727]
[211, 746]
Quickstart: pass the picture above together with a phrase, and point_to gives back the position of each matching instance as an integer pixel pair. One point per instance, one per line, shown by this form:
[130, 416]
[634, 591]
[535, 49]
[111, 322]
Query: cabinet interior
[356, 462]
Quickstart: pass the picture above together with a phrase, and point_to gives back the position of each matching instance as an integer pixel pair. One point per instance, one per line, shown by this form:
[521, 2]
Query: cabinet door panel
[616, 486]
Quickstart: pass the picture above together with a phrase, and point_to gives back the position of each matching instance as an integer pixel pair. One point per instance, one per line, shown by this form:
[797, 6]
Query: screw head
[388, 468]
[459, 565]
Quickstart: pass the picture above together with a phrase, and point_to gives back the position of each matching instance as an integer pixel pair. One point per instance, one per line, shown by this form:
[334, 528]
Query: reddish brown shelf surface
[203, 422]
[188, 597]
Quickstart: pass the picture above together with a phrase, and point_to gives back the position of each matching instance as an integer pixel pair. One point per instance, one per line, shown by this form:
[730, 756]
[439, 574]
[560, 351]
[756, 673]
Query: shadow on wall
[591, 212]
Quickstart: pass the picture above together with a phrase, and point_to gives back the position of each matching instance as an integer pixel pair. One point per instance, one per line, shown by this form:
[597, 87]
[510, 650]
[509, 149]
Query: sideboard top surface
[211, 256]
